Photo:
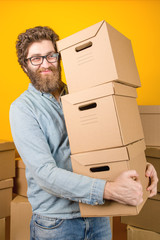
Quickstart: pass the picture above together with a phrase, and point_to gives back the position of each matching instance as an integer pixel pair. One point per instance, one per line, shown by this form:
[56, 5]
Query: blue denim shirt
[39, 133]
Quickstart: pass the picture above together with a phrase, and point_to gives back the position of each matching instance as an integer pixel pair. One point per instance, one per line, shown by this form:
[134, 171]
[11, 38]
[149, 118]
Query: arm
[36, 154]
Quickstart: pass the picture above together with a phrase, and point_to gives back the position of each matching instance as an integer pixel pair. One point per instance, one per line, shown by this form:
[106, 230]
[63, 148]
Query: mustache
[52, 68]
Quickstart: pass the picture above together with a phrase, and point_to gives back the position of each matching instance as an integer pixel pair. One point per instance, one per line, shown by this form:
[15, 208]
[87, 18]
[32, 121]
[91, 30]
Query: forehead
[42, 48]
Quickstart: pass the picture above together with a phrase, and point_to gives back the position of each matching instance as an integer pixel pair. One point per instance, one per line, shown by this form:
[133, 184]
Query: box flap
[124, 90]
[20, 199]
[20, 163]
[7, 183]
[6, 145]
[100, 91]
[153, 152]
[102, 156]
[149, 109]
[78, 37]
[135, 148]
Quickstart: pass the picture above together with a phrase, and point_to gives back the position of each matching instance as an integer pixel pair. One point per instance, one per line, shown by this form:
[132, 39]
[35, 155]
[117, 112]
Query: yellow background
[137, 20]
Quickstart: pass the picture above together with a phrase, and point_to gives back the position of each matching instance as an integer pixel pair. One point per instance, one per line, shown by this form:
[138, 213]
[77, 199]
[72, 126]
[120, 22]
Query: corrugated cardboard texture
[150, 117]
[21, 213]
[97, 55]
[148, 218]
[141, 234]
[7, 159]
[127, 158]
[98, 121]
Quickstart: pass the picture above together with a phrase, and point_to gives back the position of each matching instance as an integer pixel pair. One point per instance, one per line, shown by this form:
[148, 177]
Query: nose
[45, 63]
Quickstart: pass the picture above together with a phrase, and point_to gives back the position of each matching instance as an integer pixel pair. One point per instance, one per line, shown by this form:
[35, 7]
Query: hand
[152, 174]
[125, 189]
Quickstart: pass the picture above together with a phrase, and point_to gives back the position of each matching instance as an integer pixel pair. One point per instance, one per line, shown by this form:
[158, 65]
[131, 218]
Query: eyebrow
[38, 54]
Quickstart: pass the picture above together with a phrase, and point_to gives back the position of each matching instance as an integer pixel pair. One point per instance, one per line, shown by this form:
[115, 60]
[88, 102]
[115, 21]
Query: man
[39, 133]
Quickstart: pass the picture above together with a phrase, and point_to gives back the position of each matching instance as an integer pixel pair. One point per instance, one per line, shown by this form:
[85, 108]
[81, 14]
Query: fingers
[152, 188]
[152, 174]
[149, 169]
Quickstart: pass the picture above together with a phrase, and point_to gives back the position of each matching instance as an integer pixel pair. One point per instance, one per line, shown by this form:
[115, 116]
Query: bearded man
[39, 132]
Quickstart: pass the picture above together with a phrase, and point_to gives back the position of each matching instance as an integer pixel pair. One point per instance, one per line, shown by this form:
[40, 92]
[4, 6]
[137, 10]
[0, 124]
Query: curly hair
[31, 35]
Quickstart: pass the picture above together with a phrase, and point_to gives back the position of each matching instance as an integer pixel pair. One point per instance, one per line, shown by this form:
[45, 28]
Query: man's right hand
[125, 189]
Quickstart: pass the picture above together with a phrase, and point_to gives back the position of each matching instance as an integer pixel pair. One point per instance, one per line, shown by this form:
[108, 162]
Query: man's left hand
[152, 174]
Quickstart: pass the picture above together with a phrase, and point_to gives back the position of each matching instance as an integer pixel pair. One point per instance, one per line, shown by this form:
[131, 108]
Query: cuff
[97, 191]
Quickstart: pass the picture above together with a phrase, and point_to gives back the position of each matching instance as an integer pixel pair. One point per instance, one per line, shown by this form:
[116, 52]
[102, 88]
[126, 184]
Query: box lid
[111, 88]
[20, 163]
[7, 183]
[78, 37]
[110, 155]
[147, 109]
[6, 145]
[153, 152]
[20, 199]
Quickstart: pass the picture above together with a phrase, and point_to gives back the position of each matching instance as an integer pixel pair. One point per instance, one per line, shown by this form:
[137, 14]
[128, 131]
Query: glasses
[38, 60]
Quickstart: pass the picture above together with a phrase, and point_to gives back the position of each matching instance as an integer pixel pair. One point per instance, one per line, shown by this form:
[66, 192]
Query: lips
[45, 71]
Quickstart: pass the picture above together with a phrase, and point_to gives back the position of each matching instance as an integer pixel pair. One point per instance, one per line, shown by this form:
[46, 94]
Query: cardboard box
[141, 234]
[97, 55]
[21, 213]
[20, 181]
[150, 116]
[2, 228]
[153, 157]
[102, 117]
[149, 217]
[108, 164]
[7, 159]
[5, 228]
[5, 197]
[119, 229]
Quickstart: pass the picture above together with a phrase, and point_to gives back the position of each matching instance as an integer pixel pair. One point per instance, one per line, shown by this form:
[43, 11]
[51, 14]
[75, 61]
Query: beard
[48, 83]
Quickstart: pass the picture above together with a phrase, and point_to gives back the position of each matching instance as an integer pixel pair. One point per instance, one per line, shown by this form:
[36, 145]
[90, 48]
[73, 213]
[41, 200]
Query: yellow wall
[138, 20]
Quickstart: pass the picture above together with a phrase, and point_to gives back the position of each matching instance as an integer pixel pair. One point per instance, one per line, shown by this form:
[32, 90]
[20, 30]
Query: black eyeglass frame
[42, 57]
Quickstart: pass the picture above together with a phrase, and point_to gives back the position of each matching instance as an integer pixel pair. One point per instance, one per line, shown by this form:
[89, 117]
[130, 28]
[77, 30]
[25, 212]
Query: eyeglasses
[38, 60]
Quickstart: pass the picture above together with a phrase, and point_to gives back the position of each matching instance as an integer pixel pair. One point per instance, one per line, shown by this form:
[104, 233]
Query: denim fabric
[39, 133]
[43, 228]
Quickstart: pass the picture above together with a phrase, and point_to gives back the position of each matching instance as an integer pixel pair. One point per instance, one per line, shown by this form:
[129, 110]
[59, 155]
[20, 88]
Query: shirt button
[96, 203]
[51, 97]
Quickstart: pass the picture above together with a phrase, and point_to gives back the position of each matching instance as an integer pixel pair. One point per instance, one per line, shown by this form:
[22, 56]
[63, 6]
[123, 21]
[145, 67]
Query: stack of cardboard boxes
[7, 172]
[148, 221]
[101, 112]
[15, 210]
[21, 210]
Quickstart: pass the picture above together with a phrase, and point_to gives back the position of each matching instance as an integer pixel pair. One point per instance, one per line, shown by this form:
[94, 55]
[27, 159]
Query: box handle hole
[100, 169]
[83, 46]
[88, 106]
